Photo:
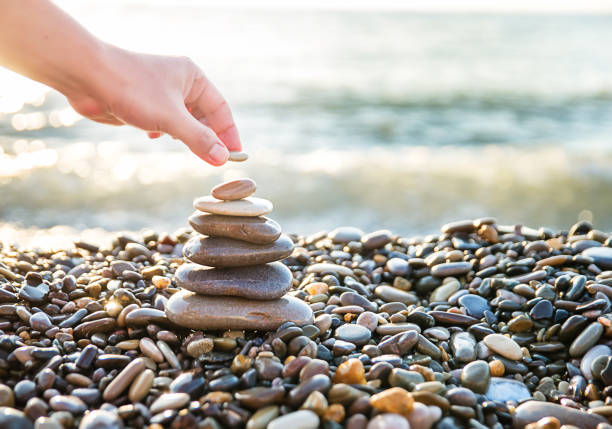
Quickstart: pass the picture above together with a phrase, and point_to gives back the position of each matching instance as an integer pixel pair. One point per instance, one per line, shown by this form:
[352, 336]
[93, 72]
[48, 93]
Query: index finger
[218, 114]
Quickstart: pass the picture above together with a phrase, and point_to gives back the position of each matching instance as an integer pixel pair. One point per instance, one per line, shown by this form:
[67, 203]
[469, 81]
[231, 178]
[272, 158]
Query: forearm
[40, 41]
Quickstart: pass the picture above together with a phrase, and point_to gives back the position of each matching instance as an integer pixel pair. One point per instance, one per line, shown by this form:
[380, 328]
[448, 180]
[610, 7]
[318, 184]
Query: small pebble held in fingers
[238, 156]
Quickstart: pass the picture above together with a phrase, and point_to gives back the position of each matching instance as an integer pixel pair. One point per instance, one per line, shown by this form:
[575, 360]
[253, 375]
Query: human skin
[158, 94]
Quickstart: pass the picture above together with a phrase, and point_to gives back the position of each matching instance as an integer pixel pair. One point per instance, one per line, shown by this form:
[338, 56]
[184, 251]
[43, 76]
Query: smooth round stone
[355, 334]
[169, 401]
[474, 305]
[475, 376]
[376, 239]
[40, 322]
[263, 416]
[69, 403]
[258, 230]
[100, 419]
[11, 418]
[345, 234]
[227, 252]
[506, 389]
[602, 256]
[329, 268]
[250, 206]
[461, 396]
[303, 419]
[258, 397]
[590, 356]
[503, 346]
[234, 189]
[262, 282]
[444, 291]
[7, 399]
[391, 294]
[450, 269]
[542, 310]
[238, 156]
[194, 311]
[586, 339]
[398, 266]
[388, 421]
[532, 411]
[463, 346]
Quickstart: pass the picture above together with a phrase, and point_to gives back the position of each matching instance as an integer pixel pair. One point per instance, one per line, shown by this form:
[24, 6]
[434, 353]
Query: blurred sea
[375, 117]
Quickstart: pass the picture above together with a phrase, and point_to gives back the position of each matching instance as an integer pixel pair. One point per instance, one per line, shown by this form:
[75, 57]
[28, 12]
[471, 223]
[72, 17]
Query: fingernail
[218, 154]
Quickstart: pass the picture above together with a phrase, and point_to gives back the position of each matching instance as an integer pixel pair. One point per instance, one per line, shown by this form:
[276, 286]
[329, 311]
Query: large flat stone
[258, 230]
[194, 311]
[227, 252]
[250, 206]
[262, 282]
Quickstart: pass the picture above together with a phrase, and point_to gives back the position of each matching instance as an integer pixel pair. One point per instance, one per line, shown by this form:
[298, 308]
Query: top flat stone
[226, 252]
[250, 206]
[601, 255]
[234, 189]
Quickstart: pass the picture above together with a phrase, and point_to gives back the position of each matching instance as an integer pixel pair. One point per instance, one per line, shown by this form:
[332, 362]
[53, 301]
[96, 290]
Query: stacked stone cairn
[234, 279]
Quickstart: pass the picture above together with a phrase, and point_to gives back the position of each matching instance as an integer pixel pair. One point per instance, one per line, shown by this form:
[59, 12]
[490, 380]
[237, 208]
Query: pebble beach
[479, 325]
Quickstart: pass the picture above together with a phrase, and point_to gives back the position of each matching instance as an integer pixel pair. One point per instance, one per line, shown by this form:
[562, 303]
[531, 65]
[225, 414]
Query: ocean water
[374, 117]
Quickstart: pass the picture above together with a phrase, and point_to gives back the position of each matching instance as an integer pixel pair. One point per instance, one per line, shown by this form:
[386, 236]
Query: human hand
[159, 94]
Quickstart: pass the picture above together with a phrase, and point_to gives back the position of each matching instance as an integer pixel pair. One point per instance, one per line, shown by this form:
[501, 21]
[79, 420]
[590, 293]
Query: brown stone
[234, 189]
[350, 372]
[393, 400]
[258, 230]
[263, 282]
[194, 311]
[227, 252]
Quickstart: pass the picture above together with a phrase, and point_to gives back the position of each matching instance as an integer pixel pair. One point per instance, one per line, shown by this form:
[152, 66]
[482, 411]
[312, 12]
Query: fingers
[198, 137]
[218, 115]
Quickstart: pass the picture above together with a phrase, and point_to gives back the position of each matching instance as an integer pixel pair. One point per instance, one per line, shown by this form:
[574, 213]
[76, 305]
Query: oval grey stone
[258, 230]
[262, 282]
[227, 252]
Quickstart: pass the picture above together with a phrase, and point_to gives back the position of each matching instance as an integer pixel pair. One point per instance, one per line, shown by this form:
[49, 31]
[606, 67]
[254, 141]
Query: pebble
[329, 268]
[505, 389]
[303, 419]
[475, 376]
[141, 385]
[227, 252]
[11, 418]
[69, 403]
[532, 411]
[590, 356]
[586, 339]
[394, 400]
[250, 206]
[474, 305]
[345, 234]
[451, 269]
[7, 399]
[101, 419]
[169, 401]
[123, 379]
[389, 421]
[602, 256]
[212, 312]
[355, 334]
[262, 417]
[40, 322]
[260, 282]
[237, 156]
[503, 346]
[234, 189]
[257, 230]
[463, 345]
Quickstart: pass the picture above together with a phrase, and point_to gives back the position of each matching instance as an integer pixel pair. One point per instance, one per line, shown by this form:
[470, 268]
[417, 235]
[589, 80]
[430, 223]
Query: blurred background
[396, 115]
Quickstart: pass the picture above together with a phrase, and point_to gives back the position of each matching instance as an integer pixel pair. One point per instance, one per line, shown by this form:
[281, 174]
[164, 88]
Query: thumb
[198, 137]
